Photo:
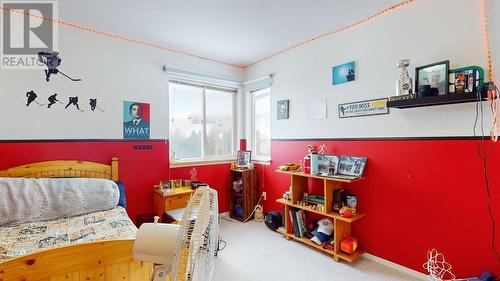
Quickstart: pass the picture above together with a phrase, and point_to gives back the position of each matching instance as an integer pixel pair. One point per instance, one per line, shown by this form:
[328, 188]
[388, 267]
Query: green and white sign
[363, 108]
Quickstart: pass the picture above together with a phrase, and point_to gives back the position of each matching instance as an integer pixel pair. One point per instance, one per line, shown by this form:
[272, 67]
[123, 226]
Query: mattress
[27, 238]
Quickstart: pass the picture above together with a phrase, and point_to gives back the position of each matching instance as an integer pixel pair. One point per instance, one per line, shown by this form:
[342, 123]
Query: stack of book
[299, 222]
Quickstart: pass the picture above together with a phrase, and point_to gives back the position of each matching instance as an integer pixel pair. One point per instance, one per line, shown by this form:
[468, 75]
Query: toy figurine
[259, 213]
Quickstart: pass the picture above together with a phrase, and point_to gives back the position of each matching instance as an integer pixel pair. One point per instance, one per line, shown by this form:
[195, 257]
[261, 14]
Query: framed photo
[466, 79]
[432, 79]
[282, 110]
[344, 73]
[243, 158]
[327, 165]
[352, 166]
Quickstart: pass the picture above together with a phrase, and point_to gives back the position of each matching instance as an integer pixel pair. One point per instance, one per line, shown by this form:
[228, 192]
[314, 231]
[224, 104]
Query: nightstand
[175, 199]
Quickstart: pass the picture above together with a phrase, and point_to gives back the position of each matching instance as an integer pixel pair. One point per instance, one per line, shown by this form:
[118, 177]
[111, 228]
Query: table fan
[186, 250]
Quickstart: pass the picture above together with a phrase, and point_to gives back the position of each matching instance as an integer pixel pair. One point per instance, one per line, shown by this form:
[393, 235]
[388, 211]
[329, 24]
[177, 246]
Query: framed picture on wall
[282, 110]
[432, 79]
[136, 121]
[344, 73]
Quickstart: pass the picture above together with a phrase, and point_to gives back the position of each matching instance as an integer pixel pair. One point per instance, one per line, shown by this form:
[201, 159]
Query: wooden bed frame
[102, 260]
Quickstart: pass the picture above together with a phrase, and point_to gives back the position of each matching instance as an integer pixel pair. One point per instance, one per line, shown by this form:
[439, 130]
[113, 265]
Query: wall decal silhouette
[74, 101]
[52, 100]
[32, 98]
[52, 61]
[93, 105]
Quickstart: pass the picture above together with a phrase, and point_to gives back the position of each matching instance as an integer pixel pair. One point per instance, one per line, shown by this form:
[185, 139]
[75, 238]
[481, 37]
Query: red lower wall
[417, 195]
[217, 176]
[138, 169]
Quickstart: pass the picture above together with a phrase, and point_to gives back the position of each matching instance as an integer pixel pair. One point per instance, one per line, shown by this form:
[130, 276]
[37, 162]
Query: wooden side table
[244, 196]
[175, 199]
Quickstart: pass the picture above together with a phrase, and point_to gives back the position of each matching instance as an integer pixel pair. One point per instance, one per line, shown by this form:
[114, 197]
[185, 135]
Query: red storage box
[349, 245]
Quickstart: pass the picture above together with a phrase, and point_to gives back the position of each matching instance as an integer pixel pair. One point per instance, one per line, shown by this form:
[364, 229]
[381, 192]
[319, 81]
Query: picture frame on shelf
[352, 166]
[243, 158]
[432, 79]
[465, 80]
[327, 165]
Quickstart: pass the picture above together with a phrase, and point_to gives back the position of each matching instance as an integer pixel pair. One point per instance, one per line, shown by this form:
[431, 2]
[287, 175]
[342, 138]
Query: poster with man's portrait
[136, 120]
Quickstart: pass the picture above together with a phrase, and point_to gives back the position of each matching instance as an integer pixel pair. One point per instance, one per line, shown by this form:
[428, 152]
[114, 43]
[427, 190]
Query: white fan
[187, 251]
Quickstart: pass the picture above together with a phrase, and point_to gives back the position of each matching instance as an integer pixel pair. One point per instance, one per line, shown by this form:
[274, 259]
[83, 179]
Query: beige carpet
[254, 253]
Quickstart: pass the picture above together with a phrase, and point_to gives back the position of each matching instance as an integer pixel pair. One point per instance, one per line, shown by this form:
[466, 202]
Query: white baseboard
[225, 214]
[396, 266]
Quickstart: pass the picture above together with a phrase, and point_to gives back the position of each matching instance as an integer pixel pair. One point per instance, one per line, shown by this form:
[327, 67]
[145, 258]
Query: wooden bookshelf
[341, 225]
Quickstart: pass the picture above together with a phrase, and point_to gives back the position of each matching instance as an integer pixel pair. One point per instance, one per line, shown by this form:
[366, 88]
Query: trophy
[404, 82]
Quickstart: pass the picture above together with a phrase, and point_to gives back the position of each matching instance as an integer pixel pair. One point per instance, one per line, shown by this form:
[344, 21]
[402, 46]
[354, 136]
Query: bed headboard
[64, 169]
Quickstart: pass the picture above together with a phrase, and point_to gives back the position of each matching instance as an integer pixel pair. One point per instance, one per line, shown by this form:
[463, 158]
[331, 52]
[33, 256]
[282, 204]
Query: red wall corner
[417, 195]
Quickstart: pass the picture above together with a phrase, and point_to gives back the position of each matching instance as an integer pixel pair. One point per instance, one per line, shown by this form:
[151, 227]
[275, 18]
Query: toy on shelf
[346, 212]
[349, 245]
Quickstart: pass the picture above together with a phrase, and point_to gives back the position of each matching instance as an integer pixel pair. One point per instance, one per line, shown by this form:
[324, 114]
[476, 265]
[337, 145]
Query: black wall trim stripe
[84, 140]
[385, 138]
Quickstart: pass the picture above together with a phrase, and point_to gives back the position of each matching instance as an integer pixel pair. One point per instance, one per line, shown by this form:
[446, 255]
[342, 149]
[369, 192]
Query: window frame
[255, 156]
[205, 159]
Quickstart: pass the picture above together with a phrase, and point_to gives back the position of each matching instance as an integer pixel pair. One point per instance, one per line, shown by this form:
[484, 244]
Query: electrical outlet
[264, 195]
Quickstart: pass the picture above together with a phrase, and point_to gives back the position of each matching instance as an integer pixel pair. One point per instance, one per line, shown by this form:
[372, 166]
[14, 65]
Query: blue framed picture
[344, 73]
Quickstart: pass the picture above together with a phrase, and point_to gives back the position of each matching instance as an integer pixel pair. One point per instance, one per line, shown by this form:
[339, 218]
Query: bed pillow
[122, 202]
[28, 200]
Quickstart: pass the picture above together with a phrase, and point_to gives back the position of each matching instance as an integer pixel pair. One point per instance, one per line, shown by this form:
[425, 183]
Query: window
[202, 122]
[261, 139]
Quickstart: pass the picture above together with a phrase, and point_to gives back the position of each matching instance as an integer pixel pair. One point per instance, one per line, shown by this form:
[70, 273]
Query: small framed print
[243, 158]
[344, 73]
[282, 110]
[466, 80]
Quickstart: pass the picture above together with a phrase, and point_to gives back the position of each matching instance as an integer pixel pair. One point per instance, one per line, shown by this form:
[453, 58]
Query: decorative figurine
[322, 149]
[259, 213]
[404, 82]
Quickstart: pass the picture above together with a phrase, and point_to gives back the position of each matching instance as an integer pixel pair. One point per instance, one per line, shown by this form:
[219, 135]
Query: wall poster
[136, 120]
[363, 108]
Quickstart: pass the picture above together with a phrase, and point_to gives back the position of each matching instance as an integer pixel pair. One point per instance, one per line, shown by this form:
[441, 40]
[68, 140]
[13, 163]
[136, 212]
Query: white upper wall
[424, 31]
[113, 71]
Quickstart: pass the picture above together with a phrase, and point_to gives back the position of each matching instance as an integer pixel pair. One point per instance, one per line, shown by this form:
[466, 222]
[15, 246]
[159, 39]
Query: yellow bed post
[114, 169]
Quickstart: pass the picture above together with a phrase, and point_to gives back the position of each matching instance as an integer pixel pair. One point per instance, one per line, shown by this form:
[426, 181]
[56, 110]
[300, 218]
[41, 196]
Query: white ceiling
[233, 31]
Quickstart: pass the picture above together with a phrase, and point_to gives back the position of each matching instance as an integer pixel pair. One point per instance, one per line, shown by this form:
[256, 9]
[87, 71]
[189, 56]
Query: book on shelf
[302, 223]
[295, 226]
[299, 222]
